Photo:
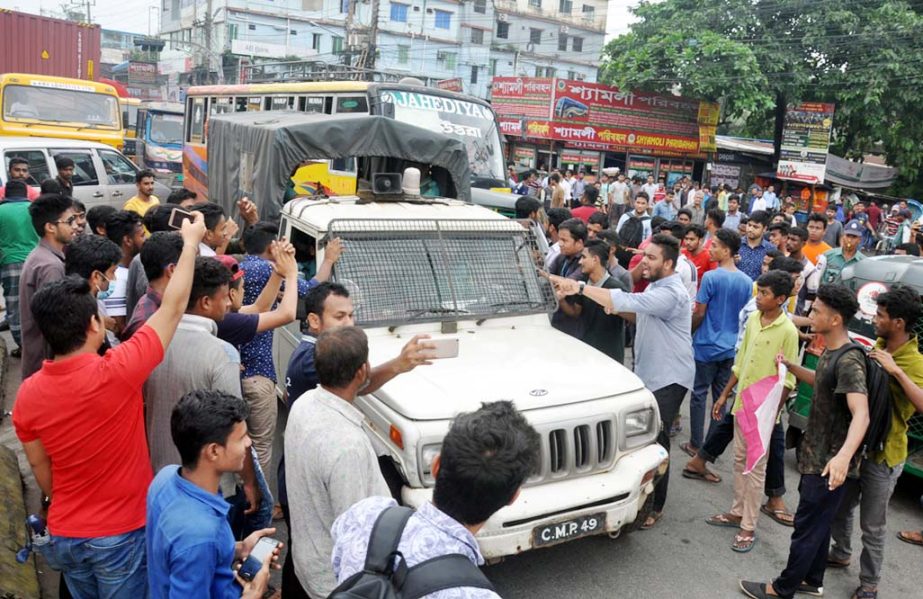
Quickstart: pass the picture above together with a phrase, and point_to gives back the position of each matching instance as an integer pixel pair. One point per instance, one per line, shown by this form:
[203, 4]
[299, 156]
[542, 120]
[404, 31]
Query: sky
[135, 16]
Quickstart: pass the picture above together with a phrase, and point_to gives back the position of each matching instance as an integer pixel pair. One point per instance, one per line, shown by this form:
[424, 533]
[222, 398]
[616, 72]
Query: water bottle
[36, 536]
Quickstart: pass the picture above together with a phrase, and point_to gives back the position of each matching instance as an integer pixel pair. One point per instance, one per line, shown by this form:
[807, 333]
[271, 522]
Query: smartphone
[178, 216]
[445, 348]
[264, 547]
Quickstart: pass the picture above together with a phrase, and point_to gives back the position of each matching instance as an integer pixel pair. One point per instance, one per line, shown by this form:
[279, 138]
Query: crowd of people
[723, 289]
[148, 408]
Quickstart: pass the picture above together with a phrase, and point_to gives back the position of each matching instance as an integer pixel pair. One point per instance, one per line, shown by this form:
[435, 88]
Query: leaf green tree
[757, 56]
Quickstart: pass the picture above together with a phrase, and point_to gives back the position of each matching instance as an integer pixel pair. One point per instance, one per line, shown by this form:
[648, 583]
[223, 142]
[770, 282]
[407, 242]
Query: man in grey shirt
[664, 336]
[330, 463]
[834, 231]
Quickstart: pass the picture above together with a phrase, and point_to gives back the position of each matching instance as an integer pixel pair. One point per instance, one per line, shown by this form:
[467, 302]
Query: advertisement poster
[452, 85]
[521, 96]
[729, 174]
[805, 140]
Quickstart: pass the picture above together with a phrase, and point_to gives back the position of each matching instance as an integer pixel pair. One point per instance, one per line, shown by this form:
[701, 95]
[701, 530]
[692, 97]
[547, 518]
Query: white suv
[454, 270]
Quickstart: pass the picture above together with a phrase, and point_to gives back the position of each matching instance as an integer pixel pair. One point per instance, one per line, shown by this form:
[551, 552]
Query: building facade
[460, 43]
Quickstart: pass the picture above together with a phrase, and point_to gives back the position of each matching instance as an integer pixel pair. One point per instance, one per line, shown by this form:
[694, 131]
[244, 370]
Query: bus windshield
[54, 105]
[165, 129]
[469, 122]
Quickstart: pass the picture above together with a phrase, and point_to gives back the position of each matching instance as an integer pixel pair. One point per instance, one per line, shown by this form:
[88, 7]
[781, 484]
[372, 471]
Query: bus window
[197, 120]
[221, 105]
[343, 164]
[254, 104]
[240, 104]
[311, 104]
[280, 102]
[352, 104]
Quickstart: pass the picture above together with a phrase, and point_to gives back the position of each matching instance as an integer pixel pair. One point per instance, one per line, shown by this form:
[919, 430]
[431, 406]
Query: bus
[44, 106]
[159, 140]
[470, 119]
[129, 109]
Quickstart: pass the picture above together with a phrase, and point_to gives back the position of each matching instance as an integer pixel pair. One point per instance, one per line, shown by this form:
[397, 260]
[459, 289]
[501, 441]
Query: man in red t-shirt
[80, 419]
[587, 204]
[694, 249]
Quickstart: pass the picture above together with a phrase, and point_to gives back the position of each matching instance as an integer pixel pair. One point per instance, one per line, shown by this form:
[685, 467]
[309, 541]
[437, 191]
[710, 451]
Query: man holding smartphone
[190, 546]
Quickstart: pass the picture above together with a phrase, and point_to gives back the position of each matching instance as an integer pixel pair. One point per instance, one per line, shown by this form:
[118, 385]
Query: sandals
[723, 521]
[708, 476]
[690, 449]
[836, 564]
[743, 544]
[904, 535]
[778, 515]
[652, 519]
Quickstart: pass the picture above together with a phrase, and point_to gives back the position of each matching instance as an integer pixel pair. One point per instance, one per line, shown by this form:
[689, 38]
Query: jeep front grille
[575, 450]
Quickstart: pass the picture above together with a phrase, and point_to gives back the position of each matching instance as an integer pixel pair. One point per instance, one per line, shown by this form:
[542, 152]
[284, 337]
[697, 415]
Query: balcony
[550, 11]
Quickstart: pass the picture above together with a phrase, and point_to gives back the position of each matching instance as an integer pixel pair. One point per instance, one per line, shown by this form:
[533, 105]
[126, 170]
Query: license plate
[575, 528]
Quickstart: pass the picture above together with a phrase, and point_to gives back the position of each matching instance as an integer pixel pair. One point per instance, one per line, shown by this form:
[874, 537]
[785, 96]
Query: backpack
[879, 394]
[632, 232]
[386, 575]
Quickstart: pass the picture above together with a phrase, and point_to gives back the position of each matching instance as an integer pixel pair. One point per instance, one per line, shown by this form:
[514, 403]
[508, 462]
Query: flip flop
[777, 515]
[837, 564]
[907, 539]
[736, 545]
[722, 521]
[690, 450]
[715, 479]
[654, 518]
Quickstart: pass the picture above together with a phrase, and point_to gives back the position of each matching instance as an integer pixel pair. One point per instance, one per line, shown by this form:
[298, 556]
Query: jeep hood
[533, 365]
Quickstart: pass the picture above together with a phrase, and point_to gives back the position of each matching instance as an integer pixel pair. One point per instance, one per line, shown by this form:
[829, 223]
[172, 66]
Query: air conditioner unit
[502, 17]
[564, 29]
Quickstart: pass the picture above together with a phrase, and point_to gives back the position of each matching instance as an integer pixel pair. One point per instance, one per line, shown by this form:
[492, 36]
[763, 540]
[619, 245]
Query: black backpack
[632, 232]
[879, 394]
[386, 575]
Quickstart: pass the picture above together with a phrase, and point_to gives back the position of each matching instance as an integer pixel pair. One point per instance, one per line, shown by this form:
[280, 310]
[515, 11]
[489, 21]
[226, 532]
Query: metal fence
[428, 270]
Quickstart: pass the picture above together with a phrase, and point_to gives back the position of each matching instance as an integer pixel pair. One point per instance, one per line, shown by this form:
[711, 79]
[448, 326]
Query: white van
[102, 174]
[455, 270]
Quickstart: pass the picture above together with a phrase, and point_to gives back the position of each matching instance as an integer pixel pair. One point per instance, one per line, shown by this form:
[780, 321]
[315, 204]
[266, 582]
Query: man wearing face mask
[95, 259]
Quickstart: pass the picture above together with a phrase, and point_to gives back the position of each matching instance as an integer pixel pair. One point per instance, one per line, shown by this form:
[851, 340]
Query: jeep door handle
[98, 194]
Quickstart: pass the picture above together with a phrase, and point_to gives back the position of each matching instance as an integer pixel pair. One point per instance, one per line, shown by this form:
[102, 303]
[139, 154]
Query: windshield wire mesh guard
[427, 270]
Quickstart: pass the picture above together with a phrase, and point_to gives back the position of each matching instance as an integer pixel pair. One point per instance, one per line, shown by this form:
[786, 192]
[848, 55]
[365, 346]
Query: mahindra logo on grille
[538, 392]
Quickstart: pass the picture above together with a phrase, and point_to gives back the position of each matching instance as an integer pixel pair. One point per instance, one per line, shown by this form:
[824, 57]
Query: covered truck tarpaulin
[254, 153]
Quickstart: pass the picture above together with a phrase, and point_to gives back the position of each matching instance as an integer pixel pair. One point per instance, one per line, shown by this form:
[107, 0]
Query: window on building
[571, 74]
[251, 27]
[232, 32]
[562, 42]
[578, 44]
[293, 32]
[589, 12]
[399, 12]
[447, 59]
[566, 6]
[535, 3]
[474, 74]
[443, 19]
[503, 30]
[344, 6]
[480, 6]
[545, 71]
[403, 54]
[337, 44]
[315, 41]
[477, 36]
[535, 35]
[493, 67]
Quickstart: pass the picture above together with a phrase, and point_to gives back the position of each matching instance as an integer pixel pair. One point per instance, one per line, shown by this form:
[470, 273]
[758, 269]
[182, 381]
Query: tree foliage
[756, 56]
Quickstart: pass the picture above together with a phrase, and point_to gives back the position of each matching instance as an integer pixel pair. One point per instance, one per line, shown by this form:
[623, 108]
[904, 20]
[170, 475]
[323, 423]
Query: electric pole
[373, 37]
[350, 30]
[208, 40]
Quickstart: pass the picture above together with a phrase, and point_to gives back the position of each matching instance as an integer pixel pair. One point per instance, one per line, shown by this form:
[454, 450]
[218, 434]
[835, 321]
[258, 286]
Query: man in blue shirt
[258, 380]
[190, 547]
[723, 293]
[753, 247]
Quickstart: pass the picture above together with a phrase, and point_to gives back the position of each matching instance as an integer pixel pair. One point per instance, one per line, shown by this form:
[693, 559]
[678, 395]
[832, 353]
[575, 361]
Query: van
[453, 270]
[102, 174]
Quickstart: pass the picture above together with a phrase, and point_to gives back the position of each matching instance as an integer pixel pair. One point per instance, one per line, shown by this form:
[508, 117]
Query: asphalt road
[681, 557]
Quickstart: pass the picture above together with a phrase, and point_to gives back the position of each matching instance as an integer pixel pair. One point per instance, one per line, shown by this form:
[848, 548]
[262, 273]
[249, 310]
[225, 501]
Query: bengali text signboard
[521, 96]
[805, 140]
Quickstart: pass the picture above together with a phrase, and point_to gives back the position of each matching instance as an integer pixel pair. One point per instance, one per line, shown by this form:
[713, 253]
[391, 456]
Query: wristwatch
[581, 285]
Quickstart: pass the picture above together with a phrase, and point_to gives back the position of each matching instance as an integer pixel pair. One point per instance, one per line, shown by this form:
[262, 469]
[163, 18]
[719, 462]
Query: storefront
[568, 124]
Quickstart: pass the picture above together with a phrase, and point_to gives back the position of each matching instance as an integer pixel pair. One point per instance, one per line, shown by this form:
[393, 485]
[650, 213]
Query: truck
[44, 46]
[448, 268]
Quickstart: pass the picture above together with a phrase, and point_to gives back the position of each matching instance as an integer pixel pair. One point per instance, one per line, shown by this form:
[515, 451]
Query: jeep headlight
[427, 458]
[637, 428]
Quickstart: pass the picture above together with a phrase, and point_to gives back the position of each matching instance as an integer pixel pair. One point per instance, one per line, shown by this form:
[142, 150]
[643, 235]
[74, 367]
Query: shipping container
[43, 46]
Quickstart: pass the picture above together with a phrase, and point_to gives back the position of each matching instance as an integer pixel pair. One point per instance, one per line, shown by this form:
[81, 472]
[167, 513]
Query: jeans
[871, 492]
[669, 399]
[720, 436]
[708, 375]
[9, 278]
[112, 567]
[807, 555]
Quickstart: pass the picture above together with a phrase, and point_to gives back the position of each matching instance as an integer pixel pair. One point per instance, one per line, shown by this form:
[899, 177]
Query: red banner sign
[522, 96]
[451, 85]
[511, 127]
[609, 136]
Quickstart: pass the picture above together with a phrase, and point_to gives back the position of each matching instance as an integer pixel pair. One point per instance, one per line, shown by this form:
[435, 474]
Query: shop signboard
[805, 140]
[729, 174]
[576, 158]
[512, 127]
[610, 136]
[522, 96]
[523, 156]
[142, 72]
[452, 85]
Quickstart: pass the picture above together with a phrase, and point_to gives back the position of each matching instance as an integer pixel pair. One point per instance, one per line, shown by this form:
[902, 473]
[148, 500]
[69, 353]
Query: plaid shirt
[144, 309]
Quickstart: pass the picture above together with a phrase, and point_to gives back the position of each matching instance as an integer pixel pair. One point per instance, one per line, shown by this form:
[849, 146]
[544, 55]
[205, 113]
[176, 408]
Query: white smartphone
[445, 348]
[254, 561]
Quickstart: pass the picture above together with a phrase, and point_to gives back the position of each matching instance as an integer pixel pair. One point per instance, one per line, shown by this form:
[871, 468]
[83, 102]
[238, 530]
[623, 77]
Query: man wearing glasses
[55, 223]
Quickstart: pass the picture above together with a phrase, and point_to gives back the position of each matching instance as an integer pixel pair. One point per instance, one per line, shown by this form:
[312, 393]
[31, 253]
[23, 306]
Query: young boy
[768, 333]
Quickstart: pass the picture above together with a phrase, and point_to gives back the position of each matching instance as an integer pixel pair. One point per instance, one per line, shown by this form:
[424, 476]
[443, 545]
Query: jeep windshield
[408, 271]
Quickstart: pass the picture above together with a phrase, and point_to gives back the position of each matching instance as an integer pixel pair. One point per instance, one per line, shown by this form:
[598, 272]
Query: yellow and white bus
[129, 109]
[43, 106]
[467, 118]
